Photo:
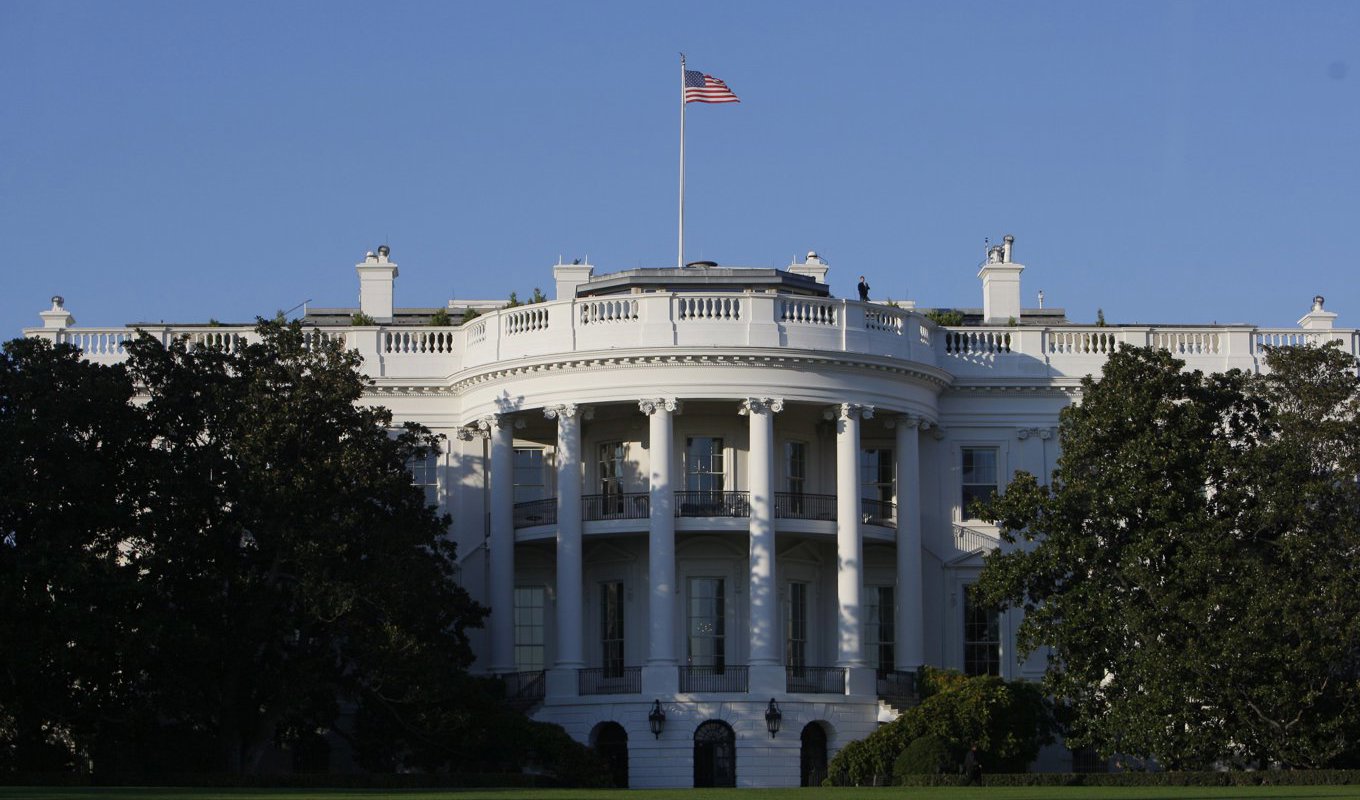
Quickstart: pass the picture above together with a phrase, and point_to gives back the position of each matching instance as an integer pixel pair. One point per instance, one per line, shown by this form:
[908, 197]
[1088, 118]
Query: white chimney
[814, 267]
[376, 276]
[57, 317]
[570, 276]
[1000, 285]
[1318, 319]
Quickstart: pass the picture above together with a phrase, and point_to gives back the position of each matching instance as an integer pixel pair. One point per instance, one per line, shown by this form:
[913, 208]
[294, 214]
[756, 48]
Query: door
[715, 755]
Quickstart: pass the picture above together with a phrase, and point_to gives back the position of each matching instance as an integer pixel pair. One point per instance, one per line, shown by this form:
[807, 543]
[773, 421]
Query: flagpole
[680, 245]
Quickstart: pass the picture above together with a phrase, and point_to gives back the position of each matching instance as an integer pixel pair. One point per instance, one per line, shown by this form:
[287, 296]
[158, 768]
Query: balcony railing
[524, 689]
[879, 512]
[726, 678]
[796, 505]
[898, 686]
[815, 680]
[712, 504]
[609, 680]
[631, 505]
[536, 512]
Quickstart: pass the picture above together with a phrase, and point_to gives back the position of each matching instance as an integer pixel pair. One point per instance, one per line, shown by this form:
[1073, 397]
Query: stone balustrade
[655, 322]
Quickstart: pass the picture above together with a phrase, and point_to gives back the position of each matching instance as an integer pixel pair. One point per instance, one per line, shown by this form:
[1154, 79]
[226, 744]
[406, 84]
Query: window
[425, 474]
[876, 475]
[879, 629]
[706, 623]
[704, 470]
[613, 457]
[795, 467]
[981, 636]
[979, 476]
[611, 628]
[795, 647]
[529, 650]
[528, 474]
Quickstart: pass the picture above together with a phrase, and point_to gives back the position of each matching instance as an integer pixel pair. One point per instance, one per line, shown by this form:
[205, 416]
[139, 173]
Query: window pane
[981, 636]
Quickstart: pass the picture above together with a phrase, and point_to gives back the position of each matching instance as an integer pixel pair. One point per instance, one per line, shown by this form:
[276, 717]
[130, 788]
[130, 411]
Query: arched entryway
[610, 740]
[812, 756]
[715, 755]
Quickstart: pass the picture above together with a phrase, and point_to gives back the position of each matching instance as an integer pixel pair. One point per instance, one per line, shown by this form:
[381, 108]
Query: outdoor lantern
[657, 719]
[773, 718]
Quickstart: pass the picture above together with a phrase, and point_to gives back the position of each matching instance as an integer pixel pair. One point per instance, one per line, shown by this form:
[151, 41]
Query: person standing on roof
[863, 290]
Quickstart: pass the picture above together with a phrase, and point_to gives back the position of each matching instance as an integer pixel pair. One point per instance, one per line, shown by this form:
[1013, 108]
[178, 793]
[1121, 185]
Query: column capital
[910, 421]
[568, 411]
[651, 405]
[1041, 433]
[846, 410]
[761, 405]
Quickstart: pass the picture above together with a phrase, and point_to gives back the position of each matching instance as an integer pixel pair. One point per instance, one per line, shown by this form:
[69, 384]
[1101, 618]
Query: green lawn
[950, 793]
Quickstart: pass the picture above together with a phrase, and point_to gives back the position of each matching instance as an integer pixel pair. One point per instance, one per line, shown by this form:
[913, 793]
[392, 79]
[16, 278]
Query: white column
[570, 617]
[661, 535]
[502, 541]
[910, 618]
[764, 595]
[849, 549]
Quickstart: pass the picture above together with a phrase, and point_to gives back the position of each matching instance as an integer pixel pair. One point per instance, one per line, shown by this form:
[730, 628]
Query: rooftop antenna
[1041, 298]
[302, 305]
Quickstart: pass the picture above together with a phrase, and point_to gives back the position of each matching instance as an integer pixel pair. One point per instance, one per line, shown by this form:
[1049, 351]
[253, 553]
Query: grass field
[912, 793]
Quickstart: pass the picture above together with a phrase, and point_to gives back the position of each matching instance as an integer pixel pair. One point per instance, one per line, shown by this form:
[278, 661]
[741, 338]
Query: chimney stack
[377, 275]
[1000, 285]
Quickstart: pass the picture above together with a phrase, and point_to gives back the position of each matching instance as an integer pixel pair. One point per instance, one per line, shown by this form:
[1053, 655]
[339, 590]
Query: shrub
[926, 755]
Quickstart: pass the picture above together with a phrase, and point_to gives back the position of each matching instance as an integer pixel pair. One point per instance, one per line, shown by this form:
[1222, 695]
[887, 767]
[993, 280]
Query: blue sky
[1164, 162]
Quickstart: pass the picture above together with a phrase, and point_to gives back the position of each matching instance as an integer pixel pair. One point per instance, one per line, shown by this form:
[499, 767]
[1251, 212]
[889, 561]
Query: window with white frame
[795, 645]
[879, 629]
[425, 474]
[981, 635]
[979, 477]
[876, 468]
[530, 653]
[529, 474]
[611, 628]
[613, 458]
[707, 628]
[705, 469]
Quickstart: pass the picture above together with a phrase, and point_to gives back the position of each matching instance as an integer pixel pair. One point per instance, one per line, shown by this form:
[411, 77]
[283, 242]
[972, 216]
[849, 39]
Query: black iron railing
[726, 678]
[815, 680]
[632, 505]
[879, 512]
[524, 687]
[898, 686]
[791, 505]
[609, 680]
[536, 512]
[712, 504]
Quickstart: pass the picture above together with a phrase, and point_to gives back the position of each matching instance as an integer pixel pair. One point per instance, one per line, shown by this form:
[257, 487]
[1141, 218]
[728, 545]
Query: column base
[658, 682]
[767, 680]
[861, 681]
[561, 682]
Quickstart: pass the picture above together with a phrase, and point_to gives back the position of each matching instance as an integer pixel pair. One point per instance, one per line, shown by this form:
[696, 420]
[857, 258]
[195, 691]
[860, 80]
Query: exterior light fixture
[773, 717]
[657, 719]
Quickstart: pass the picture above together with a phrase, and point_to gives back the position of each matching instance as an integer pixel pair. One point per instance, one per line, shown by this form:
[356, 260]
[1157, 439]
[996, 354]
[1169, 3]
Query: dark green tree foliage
[1009, 723]
[68, 434]
[1193, 563]
[194, 578]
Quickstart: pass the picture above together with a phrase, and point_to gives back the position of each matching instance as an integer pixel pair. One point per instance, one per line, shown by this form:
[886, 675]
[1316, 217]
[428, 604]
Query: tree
[1193, 562]
[69, 438]
[291, 563]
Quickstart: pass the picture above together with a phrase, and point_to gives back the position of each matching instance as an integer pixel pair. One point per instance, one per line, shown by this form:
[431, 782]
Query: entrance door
[812, 757]
[611, 742]
[715, 755]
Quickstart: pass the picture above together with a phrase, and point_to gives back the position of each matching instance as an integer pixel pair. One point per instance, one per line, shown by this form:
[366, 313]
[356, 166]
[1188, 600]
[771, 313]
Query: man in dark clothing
[972, 768]
[863, 290]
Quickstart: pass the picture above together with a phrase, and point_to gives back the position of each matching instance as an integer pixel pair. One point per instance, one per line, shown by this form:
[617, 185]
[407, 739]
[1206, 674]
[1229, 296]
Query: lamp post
[773, 717]
[657, 719]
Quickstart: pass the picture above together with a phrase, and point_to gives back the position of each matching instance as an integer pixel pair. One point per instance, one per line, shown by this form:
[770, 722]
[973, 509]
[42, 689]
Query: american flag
[701, 88]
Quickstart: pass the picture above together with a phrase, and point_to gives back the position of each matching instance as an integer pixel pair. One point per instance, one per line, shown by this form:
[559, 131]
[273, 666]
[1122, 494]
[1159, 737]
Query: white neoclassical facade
[721, 517]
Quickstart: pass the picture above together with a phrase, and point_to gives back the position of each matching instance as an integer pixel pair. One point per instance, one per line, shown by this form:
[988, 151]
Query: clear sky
[1164, 162]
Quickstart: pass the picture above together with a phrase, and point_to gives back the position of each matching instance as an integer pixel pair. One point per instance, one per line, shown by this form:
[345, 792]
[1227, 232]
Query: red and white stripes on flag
[701, 88]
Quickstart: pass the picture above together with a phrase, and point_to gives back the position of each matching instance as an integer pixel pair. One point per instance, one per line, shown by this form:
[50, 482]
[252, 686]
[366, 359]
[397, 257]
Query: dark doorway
[715, 755]
[812, 757]
[610, 740]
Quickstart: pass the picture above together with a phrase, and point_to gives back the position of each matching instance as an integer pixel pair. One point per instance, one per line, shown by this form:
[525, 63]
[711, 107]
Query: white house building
[721, 517]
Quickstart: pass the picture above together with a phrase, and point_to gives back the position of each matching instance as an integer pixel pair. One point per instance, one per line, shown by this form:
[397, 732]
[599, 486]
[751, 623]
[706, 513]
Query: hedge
[1298, 777]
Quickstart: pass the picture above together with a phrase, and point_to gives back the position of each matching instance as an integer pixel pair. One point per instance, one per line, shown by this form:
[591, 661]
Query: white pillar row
[910, 618]
[849, 548]
[763, 593]
[570, 615]
[661, 533]
[502, 594]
